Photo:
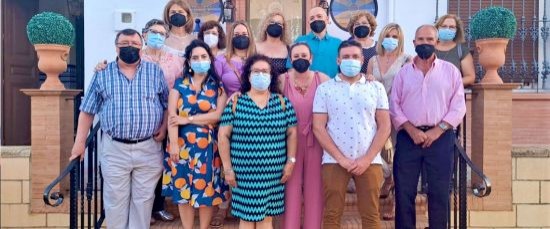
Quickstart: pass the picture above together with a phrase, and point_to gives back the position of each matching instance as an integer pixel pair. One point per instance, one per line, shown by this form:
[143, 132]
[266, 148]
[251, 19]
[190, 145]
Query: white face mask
[211, 40]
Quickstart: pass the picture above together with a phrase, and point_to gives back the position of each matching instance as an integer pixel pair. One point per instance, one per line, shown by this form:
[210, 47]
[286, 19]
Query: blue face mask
[260, 81]
[389, 44]
[155, 40]
[200, 67]
[350, 67]
[446, 34]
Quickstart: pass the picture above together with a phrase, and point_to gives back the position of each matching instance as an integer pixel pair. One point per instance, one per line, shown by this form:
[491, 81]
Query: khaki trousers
[130, 174]
[335, 181]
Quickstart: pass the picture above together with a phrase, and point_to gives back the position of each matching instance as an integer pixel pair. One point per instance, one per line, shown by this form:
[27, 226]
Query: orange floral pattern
[196, 178]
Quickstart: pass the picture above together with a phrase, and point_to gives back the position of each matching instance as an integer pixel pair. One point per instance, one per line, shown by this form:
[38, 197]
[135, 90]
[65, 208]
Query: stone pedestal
[491, 131]
[52, 137]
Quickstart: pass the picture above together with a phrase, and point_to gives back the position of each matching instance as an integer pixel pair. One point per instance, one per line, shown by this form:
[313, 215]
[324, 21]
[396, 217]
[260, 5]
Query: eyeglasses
[126, 44]
[156, 32]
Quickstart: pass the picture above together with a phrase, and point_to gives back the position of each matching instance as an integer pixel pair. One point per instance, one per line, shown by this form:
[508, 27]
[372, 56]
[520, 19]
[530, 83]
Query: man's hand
[347, 164]
[78, 151]
[174, 152]
[230, 178]
[287, 172]
[362, 165]
[159, 135]
[417, 135]
[100, 66]
[432, 135]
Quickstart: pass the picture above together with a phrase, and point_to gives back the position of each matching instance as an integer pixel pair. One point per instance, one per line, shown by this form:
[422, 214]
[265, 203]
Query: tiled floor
[350, 220]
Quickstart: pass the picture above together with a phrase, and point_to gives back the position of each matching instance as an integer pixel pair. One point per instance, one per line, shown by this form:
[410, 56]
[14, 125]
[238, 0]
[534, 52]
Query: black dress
[279, 65]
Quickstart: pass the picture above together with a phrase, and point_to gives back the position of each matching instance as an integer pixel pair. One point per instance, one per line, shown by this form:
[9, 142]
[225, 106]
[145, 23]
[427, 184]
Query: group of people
[227, 124]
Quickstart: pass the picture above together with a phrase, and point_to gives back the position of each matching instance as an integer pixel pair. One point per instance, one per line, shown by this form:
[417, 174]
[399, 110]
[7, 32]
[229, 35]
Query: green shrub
[50, 28]
[493, 22]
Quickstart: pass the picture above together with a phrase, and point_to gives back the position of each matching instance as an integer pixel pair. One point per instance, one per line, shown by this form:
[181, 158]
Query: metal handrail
[58, 196]
[479, 190]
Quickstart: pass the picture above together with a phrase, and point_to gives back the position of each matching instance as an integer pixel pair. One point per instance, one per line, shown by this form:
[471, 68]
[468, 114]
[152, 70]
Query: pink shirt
[171, 65]
[427, 100]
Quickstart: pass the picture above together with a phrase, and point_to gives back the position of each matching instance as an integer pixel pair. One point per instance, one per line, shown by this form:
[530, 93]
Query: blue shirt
[128, 109]
[325, 53]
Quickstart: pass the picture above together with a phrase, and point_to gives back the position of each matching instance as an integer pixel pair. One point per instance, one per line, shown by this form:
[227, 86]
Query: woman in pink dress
[299, 85]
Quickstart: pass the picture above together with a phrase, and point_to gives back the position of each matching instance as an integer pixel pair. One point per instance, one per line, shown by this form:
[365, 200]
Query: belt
[425, 128]
[130, 141]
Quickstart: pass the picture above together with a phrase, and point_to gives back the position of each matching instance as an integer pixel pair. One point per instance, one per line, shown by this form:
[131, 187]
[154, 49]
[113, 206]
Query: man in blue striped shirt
[130, 96]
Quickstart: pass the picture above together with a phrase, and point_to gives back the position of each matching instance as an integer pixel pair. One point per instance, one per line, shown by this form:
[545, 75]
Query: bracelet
[228, 170]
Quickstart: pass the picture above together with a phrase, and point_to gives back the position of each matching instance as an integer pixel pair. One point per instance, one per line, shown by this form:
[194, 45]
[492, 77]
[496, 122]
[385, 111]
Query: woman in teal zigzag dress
[257, 143]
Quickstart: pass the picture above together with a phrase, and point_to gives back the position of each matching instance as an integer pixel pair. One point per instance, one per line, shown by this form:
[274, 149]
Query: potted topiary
[492, 28]
[52, 36]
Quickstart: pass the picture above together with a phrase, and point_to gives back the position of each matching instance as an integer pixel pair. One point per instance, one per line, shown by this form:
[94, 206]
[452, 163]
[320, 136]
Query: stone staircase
[350, 219]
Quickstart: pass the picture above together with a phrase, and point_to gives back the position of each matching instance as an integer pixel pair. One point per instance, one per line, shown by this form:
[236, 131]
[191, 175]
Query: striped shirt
[128, 109]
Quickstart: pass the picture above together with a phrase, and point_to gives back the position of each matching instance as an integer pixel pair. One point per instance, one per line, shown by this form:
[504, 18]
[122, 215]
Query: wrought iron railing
[527, 60]
[460, 183]
[86, 185]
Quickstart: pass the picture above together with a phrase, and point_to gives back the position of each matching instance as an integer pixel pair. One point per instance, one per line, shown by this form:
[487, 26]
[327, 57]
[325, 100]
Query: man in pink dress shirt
[426, 104]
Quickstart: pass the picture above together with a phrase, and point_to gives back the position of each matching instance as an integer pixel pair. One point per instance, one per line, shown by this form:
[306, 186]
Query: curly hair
[265, 22]
[370, 18]
[247, 71]
[210, 25]
[459, 37]
[188, 71]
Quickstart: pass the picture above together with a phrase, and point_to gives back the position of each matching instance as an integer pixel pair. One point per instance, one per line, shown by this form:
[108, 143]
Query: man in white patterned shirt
[351, 121]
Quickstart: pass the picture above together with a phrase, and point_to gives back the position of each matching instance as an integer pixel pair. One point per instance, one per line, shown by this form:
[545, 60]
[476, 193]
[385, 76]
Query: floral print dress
[196, 178]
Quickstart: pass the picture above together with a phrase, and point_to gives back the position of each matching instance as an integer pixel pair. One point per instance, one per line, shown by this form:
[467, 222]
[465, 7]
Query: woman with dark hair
[305, 185]
[192, 163]
[258, 138]
[211, 32]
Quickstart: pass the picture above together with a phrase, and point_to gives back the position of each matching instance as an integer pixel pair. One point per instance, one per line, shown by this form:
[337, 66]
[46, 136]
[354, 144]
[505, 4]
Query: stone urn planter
[492, 28]
[492, 55]
[52, 36]
[52, 60]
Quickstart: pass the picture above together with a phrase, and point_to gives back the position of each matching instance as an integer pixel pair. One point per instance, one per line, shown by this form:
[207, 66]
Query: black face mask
[424, 51]
[240, 42]
[361, 31]
[178, 20]
[129, 54]
[300, 65]
[274, 30]
[318, 26]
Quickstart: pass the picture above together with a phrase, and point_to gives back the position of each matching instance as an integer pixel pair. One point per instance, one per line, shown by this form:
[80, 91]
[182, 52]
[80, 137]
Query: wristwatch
[190, 118]
[291, 160]
[443, 126]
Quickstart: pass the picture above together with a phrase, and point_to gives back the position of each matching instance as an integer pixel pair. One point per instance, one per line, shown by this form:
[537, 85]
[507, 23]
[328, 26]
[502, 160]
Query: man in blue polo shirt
[324, 47]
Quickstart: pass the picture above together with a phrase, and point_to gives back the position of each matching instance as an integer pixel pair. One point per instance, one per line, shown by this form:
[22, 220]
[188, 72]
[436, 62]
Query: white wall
[100, 33]
[99, 27]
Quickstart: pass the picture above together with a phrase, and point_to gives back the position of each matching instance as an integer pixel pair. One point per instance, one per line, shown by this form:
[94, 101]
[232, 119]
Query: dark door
[19, 71]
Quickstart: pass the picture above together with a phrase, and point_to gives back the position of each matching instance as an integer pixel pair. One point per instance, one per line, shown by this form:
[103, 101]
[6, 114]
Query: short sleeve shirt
[351, 111]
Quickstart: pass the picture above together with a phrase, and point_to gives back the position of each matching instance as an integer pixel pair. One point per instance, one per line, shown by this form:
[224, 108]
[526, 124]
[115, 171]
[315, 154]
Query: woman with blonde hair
[451, 48]
[274, 40]
[240, 45]
[383, 68]
[361, 27]
[177, 13]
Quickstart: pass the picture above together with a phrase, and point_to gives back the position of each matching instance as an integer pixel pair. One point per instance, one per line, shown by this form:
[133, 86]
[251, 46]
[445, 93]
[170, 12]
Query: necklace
[303, 85]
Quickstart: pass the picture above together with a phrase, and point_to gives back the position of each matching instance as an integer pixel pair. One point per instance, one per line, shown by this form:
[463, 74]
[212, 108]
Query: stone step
[350, 219]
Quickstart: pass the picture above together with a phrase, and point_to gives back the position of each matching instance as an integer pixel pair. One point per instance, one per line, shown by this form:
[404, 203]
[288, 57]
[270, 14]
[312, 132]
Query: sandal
[388, 207]
[219, 218]
[387, 187]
